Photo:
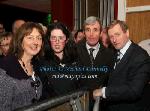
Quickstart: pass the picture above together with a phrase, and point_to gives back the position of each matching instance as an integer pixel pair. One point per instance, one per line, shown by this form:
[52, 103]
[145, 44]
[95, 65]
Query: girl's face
[57, 40]
[5, 44]
[32, 43]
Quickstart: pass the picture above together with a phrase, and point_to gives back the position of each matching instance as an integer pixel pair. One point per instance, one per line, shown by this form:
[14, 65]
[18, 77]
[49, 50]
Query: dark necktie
[118, 57]
[91, 55]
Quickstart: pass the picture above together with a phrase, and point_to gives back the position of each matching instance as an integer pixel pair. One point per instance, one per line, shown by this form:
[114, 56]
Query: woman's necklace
[24, 66]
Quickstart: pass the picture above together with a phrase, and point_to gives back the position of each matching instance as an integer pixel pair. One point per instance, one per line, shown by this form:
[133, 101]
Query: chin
[92, 44]
[34, 53]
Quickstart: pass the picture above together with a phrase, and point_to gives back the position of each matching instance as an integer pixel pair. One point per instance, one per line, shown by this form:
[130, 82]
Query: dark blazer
[104, 57]
[124, 91]
[52, 76]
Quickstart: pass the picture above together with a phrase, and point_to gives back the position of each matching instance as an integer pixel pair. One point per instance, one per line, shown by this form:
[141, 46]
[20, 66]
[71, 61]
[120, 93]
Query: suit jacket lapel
[124, 59]
[98, 56]
[86, 54]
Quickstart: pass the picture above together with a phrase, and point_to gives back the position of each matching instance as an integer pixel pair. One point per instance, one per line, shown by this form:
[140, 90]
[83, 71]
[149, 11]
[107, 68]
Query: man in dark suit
[126, 84]
[92, 54]
[101, 56]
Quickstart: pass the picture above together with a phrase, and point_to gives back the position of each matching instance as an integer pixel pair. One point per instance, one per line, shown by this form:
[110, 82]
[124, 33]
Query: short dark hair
[58, 25]
[6, 34]
[75, 35]
[24, 30]
[122, 24]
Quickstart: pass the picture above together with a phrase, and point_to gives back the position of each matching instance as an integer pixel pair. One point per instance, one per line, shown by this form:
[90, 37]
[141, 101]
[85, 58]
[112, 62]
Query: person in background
[5, 40]
[21, 85]
[79, 35]
[2, 29]
[127, 83]
[105, 39]
[44, 28]
[56, 20]
[16, 24]
[145, 44]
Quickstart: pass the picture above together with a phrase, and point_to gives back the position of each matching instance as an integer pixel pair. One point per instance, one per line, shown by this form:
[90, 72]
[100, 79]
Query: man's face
[118, 38]
[92, 33]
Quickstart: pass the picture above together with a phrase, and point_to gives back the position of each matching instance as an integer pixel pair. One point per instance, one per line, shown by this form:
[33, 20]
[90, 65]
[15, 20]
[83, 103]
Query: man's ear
[127, 32]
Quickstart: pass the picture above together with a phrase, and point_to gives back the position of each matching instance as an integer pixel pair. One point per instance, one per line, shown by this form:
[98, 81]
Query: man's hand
[97, 93]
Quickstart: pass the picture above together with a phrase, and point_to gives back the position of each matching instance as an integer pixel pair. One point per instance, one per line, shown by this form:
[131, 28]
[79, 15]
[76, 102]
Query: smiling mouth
[57, 46]
[34, 48]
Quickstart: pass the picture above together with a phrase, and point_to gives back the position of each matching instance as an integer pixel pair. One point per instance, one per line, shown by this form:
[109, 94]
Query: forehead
[57, 32]
[80, 33]
[115, 28]
[34, 30]
[19, 23]
[93, 25]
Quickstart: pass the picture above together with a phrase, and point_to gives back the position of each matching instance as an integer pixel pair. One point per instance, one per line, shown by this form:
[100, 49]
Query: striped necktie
[118, 57]
[91, 55]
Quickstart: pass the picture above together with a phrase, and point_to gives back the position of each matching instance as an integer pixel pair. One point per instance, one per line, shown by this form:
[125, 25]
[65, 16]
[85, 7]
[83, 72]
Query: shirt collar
[97, 46]
[124, 49]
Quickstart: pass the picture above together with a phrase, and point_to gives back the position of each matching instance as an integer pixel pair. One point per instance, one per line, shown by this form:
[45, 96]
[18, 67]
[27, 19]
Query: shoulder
[81, 43]
[107, 51]
[138, 50]
[2, 72]
[5, 79]
[138, 54]
[8, 60]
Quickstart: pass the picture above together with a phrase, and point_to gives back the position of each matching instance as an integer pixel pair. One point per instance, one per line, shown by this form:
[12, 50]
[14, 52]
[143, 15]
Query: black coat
[103, 58]
[126, 83]
[54, 76]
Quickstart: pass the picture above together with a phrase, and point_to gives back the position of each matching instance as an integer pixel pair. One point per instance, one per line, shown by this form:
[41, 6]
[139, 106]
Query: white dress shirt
[96, 49]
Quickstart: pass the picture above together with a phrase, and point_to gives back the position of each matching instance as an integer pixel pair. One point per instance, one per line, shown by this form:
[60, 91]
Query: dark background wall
[9, 13]
[62, 10]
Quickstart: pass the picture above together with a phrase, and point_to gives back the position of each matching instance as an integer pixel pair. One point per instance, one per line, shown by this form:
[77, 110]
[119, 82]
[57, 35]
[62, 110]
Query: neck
[60, 55]
[26, 59]
[26, 65]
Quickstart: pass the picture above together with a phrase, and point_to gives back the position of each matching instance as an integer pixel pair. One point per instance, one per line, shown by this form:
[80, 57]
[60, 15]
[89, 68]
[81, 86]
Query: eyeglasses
[35, 84]
[31, 37]
[55, 38]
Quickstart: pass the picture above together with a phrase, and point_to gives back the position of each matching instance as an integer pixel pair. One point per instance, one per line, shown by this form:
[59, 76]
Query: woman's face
[32, 43]
[57, 40]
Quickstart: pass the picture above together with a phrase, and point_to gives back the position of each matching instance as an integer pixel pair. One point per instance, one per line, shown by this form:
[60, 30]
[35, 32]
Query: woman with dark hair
[57, 59]
[21, 86]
